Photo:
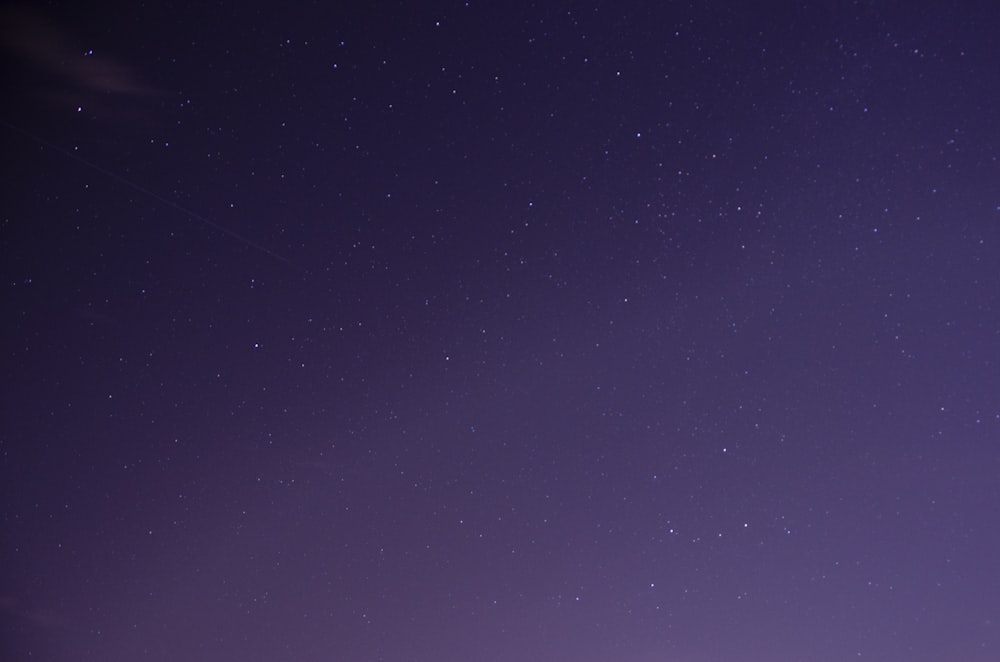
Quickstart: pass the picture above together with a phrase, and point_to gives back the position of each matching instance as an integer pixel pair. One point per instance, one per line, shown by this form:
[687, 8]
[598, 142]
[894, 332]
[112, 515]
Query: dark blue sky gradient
[500, 332]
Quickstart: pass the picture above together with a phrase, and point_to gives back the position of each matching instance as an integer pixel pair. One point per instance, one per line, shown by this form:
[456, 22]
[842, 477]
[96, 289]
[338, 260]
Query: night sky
[542, 331]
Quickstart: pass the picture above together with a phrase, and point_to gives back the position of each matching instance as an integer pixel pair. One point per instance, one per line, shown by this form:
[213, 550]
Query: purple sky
[500, 332]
